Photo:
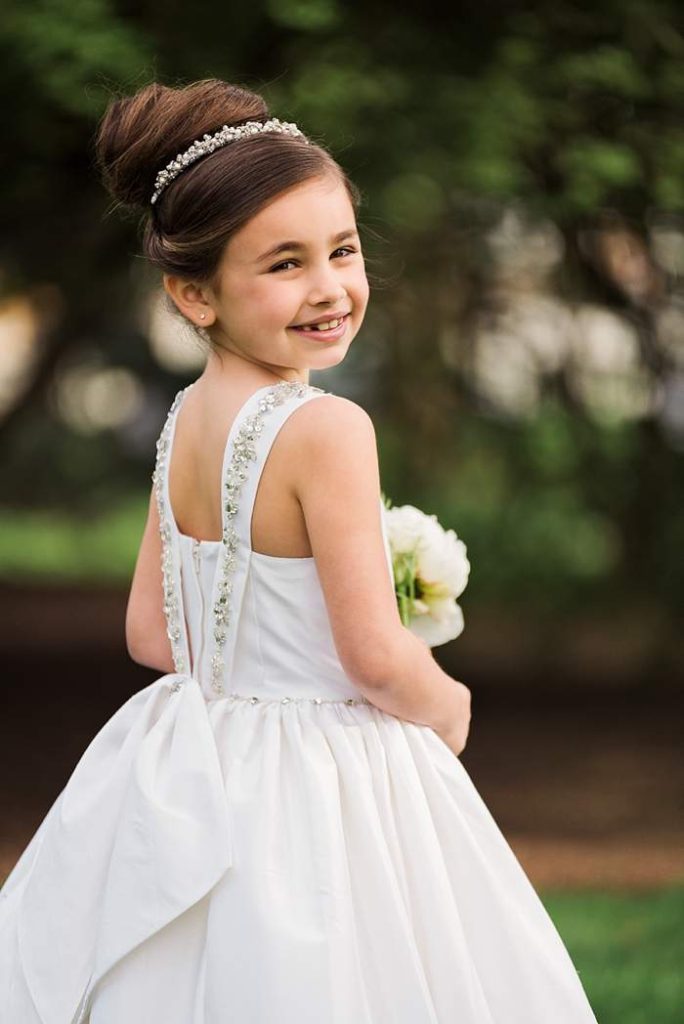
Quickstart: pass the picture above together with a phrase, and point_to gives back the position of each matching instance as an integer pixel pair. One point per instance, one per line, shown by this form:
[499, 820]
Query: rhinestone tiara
[208, 143]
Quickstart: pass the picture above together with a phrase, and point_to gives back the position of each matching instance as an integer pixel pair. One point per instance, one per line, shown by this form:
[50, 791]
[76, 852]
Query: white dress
[247, 840]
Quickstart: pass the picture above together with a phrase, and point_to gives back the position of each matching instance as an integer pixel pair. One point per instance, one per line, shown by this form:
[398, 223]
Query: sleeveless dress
[248, 840]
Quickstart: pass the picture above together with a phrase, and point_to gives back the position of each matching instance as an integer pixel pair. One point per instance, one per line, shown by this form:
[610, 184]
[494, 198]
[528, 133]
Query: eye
[347, 249]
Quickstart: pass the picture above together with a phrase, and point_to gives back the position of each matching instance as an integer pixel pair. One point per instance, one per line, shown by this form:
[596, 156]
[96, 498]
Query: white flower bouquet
[430, 571]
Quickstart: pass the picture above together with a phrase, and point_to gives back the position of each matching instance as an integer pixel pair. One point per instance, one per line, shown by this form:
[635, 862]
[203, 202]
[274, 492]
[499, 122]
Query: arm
[338, 486]
[146, 638]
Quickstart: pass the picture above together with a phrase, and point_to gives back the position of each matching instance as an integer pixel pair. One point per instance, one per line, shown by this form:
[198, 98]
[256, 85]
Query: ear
[191, 299]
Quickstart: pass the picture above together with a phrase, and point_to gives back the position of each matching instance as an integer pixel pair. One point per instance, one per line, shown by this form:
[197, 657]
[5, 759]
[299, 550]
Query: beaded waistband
[295, 700]
[178, 679]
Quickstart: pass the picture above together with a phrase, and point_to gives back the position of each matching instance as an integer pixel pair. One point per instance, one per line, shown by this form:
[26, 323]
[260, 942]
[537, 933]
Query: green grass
[628, 949]
[58, 546]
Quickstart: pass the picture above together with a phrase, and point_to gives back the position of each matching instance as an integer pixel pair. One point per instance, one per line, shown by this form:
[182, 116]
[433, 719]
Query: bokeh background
[522, 167]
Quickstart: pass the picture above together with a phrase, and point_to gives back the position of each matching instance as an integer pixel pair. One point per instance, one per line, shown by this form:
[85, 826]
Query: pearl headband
[208, 143]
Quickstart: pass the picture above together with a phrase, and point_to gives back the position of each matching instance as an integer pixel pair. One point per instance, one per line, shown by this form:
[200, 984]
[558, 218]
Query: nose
[326, 285]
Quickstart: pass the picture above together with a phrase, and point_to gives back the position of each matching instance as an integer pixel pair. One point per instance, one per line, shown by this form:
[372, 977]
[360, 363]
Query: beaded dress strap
[170, 557]
[249, 442]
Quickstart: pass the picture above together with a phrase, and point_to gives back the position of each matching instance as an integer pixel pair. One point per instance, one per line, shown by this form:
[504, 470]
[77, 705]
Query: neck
[228, 366]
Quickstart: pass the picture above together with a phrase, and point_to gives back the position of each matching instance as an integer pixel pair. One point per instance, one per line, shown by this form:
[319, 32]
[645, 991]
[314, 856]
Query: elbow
[134, 641]
[160, 661]
[373, 662]
[144, 651]
[136, 650]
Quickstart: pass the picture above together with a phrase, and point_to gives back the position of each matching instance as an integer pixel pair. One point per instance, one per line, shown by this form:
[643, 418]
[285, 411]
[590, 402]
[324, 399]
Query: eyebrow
[293, 246]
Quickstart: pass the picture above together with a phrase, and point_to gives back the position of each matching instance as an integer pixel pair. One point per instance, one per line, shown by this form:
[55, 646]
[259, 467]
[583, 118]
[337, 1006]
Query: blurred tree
[445, 118]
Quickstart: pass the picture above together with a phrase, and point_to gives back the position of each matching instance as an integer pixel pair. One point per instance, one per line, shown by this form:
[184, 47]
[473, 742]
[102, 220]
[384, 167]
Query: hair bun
[139, 134]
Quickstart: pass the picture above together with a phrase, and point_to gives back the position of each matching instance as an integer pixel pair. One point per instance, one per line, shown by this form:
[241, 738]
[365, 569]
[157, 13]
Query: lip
[324, 319]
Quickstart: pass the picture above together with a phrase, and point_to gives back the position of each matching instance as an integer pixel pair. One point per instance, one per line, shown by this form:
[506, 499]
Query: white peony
[431, 570]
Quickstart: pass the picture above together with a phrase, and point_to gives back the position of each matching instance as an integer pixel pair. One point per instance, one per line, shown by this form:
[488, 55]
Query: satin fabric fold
[140, 832]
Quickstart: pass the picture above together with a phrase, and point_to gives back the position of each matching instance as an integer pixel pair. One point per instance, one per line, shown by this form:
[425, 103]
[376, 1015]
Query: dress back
[246, 624]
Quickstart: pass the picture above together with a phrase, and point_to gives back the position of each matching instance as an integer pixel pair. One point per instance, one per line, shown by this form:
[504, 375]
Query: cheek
[279, 305]
[361, 287]
[264, 302]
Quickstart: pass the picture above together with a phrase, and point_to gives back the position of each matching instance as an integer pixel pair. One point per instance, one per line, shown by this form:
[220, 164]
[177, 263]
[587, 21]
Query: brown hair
[186, 230]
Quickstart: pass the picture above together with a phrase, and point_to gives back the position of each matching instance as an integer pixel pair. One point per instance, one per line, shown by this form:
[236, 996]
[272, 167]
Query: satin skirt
[226, 862]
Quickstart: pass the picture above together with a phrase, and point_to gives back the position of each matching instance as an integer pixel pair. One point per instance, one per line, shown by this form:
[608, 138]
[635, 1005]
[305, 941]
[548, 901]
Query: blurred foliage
[628, 950]
[65, 546]
[444, 118]
[563, 105]
[550, 509]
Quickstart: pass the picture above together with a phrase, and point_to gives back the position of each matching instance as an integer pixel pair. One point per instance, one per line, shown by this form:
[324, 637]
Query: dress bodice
[241, 622]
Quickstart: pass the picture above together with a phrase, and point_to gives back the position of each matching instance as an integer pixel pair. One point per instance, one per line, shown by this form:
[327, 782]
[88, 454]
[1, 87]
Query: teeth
[323, 327]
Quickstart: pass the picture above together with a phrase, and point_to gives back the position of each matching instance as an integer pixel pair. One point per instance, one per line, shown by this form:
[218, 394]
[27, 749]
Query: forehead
[310, 211]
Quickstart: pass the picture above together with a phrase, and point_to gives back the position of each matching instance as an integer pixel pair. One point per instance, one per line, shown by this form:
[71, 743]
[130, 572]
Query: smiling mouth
[327, 325]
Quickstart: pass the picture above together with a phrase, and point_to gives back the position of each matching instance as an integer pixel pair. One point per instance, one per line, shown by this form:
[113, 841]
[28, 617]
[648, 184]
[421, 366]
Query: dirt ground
[586, 788]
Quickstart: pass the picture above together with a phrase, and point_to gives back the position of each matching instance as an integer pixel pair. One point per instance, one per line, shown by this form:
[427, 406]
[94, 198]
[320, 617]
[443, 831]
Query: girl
[278, 830]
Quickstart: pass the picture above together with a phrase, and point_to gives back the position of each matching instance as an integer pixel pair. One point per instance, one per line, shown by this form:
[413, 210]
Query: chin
[332, 356]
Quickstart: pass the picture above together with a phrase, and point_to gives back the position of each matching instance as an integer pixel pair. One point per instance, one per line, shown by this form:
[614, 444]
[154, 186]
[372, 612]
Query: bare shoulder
[334, 411]
[328, 426]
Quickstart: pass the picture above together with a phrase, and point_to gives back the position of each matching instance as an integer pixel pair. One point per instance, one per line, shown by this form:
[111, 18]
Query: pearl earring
[202, 316]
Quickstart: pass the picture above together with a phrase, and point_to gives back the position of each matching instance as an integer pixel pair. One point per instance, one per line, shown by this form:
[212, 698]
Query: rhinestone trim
[171, 598]
[244, 452]
[296, 700]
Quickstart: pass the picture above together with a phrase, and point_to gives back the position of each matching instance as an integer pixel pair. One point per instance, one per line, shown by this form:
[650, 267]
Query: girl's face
[317, 272]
